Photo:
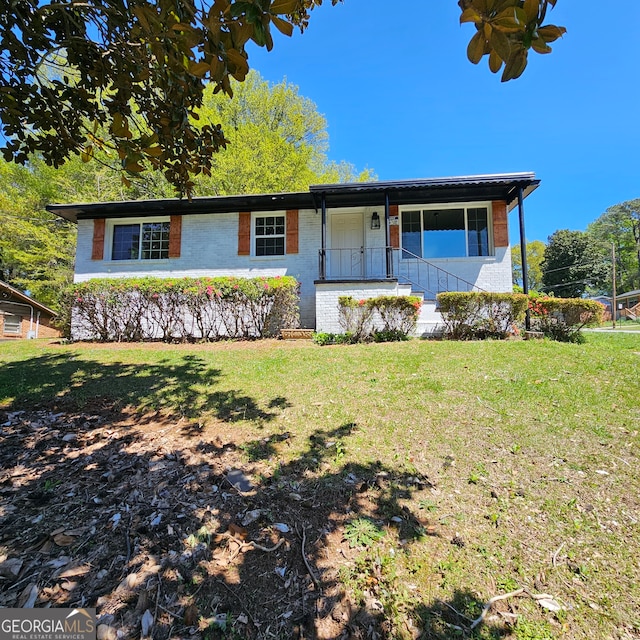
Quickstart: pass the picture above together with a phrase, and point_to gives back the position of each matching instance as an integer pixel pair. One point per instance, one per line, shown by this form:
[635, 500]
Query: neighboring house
[23, 317]
[359, 239]
[627, 305]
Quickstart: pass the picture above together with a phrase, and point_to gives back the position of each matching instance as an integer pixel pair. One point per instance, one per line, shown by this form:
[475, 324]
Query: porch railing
[376, 263]
[427, 277]
[362, 263]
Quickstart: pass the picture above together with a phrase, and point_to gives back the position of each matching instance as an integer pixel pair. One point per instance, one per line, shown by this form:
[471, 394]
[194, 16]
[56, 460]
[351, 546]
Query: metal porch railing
[376, 263]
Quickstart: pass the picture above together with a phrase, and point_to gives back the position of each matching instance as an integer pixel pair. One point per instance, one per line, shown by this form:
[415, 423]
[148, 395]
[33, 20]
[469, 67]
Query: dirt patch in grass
[139, 515]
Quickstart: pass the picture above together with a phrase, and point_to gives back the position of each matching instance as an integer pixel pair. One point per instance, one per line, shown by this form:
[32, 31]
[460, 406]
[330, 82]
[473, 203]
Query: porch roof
[504, 186]
[423, 191]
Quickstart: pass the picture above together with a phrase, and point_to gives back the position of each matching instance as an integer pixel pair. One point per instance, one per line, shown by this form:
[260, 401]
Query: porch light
[375, 220]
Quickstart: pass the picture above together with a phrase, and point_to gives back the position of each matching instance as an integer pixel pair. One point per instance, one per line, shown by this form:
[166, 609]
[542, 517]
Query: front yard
[279, 489]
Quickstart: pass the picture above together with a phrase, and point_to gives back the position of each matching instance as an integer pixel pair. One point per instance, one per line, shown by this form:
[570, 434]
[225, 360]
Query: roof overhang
[401, 192]
[432, 190]
[11, 295]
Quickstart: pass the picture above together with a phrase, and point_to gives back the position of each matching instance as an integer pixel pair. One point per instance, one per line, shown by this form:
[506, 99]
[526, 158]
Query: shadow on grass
[186, 387]
[136, 523]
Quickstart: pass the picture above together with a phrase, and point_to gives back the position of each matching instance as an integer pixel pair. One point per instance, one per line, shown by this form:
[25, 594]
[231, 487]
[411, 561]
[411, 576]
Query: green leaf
[515, 66]
[470, 15]
[284, 6]
[500, 44]
[531, 8]
[540, 46]
[238, 8]
[120, 126]
[282, 26]
[550, 33]
[259, 34]
[199, 69]
[475, 49]
[495, 62]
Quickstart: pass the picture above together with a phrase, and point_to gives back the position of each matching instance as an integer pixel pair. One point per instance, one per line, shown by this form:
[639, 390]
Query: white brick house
[361, 239]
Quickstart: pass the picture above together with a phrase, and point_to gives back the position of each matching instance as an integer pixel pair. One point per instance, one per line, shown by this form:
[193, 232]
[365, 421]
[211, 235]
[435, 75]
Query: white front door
[346, 255]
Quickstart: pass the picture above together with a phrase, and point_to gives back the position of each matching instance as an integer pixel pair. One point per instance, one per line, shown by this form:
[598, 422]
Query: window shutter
[500, 224]
[394, 229]
[97, 251]
[292, 231]
[244, 233]
[175, 236]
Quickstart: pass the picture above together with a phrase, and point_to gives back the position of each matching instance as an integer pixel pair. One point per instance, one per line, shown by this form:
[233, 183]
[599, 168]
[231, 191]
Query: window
[445, 232]
[12, 324]
[140, 241]
[270, 235]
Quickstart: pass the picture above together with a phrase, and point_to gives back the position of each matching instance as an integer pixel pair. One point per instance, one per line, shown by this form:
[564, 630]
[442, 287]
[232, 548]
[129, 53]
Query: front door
[346, 255]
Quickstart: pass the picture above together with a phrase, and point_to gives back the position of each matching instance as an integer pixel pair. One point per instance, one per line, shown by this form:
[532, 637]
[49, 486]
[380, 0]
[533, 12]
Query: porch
[371, 264]
[368, 248]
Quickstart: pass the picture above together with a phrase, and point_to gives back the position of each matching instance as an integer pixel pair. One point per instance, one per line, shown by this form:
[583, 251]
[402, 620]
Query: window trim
[451, 205]
[254, 236]
[112, 224]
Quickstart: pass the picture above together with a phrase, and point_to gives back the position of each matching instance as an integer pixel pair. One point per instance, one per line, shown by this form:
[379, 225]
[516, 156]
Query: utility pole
[613, 279]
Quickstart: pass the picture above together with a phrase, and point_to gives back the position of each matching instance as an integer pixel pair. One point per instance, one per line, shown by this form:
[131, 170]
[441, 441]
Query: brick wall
[42, 328]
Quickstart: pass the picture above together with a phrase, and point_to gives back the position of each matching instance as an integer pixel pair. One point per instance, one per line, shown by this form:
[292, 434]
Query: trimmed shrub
[383, 319]
[180, 309]
[563, 318]
[355, 317]
[473, 315]
[399, 314]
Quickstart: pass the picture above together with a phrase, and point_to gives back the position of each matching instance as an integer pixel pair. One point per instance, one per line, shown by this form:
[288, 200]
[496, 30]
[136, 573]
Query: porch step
[430, 323]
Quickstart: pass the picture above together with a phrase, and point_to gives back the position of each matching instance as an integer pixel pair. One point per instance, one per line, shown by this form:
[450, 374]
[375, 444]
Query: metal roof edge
[25, 298]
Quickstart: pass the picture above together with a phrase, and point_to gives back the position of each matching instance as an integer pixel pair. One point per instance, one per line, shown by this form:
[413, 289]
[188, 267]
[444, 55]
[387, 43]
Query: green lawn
[529, 451]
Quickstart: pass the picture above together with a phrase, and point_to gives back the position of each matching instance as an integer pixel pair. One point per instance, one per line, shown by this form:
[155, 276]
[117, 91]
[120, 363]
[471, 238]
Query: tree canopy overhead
[137, 69]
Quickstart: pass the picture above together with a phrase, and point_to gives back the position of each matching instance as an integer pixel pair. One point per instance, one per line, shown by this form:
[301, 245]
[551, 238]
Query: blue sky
[401, 98]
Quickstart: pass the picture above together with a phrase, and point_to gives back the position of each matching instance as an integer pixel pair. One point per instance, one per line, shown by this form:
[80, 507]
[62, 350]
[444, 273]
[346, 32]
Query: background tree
[280, 141]
[619, 226]
[571, 264]
[136, 71]
[535, 256]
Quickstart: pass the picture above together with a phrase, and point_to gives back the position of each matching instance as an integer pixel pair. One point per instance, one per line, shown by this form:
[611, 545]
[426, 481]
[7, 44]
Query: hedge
[182, 309]
[470, 315]
[478, 315]
[563, 318]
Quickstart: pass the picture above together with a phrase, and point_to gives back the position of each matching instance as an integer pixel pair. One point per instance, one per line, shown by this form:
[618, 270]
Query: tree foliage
[572, 263]
[619, 227]
[507, 30]
[84, 76]
[535, 256]
[280, 141]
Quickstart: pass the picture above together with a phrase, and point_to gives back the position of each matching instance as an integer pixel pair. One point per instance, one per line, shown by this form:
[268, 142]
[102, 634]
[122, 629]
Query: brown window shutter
[292, 231]
[394, 229]
[244, 233]
[175, 236]
[97, 251]
[500, 224]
